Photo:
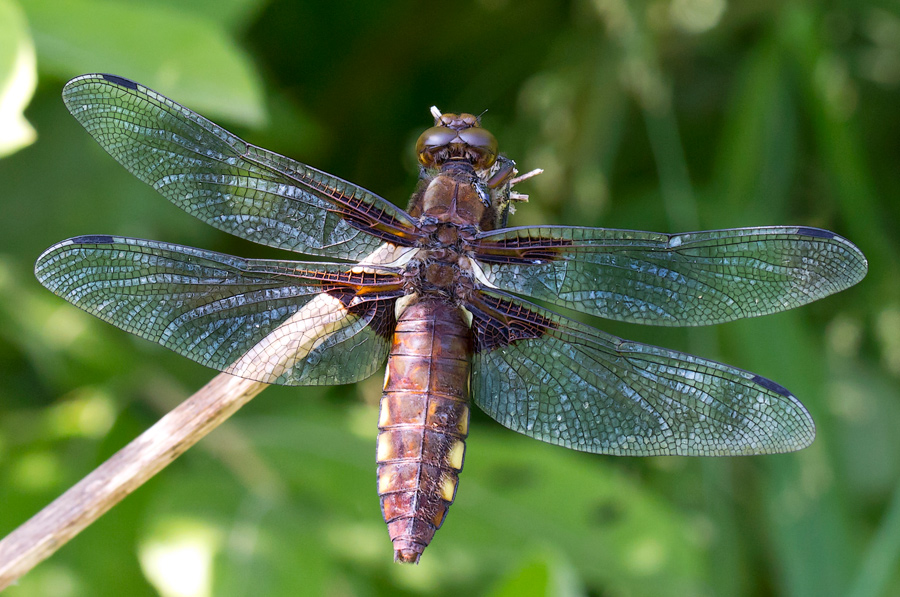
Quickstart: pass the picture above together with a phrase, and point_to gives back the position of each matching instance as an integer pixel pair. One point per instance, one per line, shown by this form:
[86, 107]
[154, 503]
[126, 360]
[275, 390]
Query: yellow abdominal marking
[448, 488]
[384, 416]
[385, 448]
[455, 456]
[467, 316]
[463, 425]
[384, 483]
[400, 306]
[293, 340]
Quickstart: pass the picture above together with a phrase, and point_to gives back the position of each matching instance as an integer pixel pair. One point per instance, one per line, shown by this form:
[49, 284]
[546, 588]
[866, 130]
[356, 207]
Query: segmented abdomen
[423, 423]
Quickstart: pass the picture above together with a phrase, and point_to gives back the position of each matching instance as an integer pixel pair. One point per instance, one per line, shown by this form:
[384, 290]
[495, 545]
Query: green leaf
[542, 576]
[189, 58]
[18, 76]
[757, 153]
[517, 495]
[531, 579]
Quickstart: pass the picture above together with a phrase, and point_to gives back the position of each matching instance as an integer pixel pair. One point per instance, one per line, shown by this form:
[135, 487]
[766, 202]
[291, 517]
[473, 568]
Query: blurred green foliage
[663, 115]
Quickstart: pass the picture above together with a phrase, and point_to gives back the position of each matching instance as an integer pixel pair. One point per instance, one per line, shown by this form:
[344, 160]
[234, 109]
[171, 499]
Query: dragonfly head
[456, 137]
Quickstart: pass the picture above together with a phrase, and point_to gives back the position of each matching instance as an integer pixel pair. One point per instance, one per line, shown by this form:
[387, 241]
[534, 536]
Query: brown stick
[125, 471]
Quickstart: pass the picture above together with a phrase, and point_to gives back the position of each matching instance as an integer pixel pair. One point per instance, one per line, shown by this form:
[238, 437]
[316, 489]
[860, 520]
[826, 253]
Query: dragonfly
[440, 292]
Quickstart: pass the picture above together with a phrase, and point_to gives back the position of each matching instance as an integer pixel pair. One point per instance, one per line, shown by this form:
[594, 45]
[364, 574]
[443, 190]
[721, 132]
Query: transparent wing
[569, 384]
[239, 188]
[284, 322]
[697, 278]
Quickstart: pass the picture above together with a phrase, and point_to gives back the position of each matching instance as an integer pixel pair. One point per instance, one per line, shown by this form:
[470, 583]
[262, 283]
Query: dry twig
[125, 471]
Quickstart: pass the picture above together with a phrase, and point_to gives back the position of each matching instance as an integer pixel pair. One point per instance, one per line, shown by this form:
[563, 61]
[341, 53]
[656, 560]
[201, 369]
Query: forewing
[239, 188]
[697, 278]
[568, 384]
[284, 322]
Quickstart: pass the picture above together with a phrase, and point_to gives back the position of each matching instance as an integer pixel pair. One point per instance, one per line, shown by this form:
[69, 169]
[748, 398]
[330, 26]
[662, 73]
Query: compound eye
[433, 138]
[483, 142]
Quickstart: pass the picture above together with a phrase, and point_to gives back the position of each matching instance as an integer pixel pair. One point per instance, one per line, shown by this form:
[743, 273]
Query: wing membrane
[697, 278]
[237, 187]
[284, 322]
[568, 384]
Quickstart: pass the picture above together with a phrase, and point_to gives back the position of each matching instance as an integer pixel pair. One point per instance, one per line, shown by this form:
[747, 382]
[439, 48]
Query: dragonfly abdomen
[423, 423]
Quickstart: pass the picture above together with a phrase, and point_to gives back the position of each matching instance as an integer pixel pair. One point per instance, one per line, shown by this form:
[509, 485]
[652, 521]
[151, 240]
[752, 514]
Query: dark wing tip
[857, 265]
[797, 429]
[121, 81]
[816, 232]
[76, 83]
[93, 239]
[771, 385]
[88, 239]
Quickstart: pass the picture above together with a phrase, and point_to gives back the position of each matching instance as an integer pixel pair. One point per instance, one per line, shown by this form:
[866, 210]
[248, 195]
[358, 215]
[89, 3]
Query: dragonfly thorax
[449, 280]
[457, 196]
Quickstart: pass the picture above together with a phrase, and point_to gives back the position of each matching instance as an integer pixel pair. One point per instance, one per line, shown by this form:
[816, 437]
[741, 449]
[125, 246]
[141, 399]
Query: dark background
[661, 115]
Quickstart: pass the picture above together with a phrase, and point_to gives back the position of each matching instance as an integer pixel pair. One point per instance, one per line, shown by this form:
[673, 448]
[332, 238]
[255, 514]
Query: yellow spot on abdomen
[455, 455]
[385, 450]
[384, 414]
[448, 488]
[463, 425]
[384, 483]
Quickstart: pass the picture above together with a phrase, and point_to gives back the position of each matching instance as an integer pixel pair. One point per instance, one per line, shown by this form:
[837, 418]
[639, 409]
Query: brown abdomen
[423, 423]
